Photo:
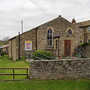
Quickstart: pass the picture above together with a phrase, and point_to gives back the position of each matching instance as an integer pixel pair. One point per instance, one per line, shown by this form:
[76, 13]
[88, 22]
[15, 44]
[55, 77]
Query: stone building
[59, 36]
[85, 26]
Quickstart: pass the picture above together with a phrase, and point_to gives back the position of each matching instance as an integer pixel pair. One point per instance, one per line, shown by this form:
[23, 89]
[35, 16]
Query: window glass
[88, 41]
[70, 31]
[56, 44]
[89, 28]
[50, 37]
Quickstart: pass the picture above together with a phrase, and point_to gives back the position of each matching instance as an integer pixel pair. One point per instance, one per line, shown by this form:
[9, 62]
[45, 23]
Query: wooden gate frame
[13, 73]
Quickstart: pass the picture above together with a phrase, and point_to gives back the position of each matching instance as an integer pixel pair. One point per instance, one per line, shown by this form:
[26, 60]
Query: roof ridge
[84, 21]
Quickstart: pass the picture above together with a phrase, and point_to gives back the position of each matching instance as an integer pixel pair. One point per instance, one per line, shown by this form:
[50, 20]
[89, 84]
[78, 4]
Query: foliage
[80, 50]
[3, 42]
[3, 53]
[21, 58]
[41, 54]
[84, 44]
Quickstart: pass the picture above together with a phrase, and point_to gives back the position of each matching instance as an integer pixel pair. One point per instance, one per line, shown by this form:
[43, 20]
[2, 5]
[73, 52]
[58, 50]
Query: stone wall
[87, 51]
[12, 50]
[14, 44]
[9, 49]
[60, 69]
[30, 35]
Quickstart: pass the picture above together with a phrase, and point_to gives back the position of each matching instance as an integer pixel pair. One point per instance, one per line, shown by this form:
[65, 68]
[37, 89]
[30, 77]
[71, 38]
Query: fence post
[27, 73]
[13, 74]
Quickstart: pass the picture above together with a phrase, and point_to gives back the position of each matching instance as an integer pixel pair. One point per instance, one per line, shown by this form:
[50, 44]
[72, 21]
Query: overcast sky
[36, 12]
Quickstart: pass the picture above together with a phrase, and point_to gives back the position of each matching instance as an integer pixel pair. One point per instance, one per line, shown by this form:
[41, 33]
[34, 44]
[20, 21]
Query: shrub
[41, 54]
[80, 51]
[84, 44]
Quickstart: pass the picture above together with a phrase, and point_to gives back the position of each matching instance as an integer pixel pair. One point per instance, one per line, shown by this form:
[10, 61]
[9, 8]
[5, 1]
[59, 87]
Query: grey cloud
[36, 12]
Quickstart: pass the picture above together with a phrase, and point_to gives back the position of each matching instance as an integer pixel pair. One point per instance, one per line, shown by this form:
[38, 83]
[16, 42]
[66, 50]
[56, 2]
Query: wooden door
[67, 48]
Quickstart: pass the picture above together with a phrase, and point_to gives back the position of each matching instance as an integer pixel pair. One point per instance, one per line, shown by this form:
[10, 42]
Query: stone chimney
[73, 21]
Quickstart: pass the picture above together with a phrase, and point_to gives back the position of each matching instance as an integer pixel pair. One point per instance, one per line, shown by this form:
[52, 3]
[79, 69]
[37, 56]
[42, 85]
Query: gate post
[13, 74]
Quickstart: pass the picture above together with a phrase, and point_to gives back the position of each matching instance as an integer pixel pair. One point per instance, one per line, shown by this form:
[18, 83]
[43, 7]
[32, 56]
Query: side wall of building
[9, 49]
[14, 44]
[13, 49]
[31, 36]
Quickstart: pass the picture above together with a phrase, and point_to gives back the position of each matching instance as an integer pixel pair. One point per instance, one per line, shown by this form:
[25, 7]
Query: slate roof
[59, 19]
[84, 23]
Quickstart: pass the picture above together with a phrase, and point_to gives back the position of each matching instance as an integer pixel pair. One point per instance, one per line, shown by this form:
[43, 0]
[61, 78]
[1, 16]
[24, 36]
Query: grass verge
[46, 85]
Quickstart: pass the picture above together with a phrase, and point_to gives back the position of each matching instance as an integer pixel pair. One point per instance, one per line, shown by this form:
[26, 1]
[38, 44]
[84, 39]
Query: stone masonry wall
[60, 69]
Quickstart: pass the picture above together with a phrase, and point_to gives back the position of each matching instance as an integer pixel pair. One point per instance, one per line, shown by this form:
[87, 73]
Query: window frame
[69, 28]
[50, 38]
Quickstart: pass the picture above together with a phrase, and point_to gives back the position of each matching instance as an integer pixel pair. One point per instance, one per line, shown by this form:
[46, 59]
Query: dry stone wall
[60, 69]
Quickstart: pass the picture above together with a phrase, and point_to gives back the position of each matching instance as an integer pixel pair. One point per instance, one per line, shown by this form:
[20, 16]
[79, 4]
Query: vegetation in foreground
[46, 85]
[41, 54]
[38, 84]
[5, 62]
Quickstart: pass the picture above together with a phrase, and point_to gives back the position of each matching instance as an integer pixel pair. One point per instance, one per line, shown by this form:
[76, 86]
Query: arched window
[50, 38]
[70, 32]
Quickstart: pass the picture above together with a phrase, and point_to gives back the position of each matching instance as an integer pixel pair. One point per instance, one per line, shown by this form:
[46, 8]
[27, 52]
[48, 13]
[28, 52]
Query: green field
[46, 85]
[37, 84]
[7, 63]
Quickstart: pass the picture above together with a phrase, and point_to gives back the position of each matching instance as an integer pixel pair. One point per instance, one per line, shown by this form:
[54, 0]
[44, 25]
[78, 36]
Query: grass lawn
[7, 63]
[46, 85]
[37, 84]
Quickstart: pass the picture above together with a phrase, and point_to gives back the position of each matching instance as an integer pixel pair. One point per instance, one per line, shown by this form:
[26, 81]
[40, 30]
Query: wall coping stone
[78, 59]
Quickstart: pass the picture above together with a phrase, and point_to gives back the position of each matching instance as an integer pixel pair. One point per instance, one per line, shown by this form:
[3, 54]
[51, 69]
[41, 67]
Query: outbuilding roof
[84, 23]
